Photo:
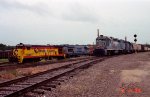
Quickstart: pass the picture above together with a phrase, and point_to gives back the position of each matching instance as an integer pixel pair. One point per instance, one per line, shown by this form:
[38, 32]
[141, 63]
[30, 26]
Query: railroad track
[10, 66]
[4, 63]
[42, 81]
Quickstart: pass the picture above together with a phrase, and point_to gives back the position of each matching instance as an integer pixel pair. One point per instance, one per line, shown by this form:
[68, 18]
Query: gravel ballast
[121, 76]
[7, 75]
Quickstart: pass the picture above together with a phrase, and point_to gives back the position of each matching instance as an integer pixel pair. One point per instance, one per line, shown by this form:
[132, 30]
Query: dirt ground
[7, 75]
[122, 76]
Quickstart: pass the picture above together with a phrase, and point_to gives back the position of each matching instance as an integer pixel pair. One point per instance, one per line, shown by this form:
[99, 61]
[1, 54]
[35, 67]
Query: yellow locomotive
[27, 53]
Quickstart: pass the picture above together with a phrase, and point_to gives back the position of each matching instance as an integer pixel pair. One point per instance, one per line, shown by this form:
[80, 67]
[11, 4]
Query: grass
[3, 60]
[8, 74]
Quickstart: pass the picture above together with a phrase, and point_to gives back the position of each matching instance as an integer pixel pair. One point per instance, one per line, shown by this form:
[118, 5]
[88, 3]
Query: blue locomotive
[109, 46]
[75, 50]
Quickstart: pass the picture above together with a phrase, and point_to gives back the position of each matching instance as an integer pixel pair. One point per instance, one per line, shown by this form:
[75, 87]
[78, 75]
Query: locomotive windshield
[101, 42]
[19, 47]
[70, 50]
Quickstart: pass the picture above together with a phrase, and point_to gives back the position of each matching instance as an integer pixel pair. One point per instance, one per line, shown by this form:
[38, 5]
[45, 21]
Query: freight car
[137, 47]
[144, 48]
[27, 53]
[148, 49]
[5, 54]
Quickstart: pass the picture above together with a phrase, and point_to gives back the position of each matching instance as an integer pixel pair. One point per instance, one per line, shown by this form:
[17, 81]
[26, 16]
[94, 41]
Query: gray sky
[72, 21]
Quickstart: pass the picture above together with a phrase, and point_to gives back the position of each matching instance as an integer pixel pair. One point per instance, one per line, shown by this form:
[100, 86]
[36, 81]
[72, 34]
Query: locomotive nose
[15, 52]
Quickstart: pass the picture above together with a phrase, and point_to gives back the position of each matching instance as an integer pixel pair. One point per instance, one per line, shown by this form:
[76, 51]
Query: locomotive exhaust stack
[97, 32]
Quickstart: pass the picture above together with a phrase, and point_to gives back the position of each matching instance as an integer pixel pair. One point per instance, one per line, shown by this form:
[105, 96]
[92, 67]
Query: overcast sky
[72, 21]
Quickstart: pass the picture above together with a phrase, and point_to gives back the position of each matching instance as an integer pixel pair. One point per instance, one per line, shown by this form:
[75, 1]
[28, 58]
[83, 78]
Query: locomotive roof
[103, 37]
[29, 45]
[74, 45]
[110, 38]
[5, 50]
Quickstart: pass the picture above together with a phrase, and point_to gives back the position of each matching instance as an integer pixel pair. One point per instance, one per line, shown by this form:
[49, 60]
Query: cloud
[62, 21]
[38, 8]
[68, 11]
[80, 13]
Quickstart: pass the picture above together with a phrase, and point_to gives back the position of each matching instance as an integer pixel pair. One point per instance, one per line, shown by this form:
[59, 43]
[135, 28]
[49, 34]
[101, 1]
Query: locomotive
[75, 50]
[109, 46]
[27, 53]
[104, 46]
[34, 53]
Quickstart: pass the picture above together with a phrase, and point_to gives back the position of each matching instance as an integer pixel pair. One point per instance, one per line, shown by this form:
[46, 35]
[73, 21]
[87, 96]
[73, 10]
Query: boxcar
[137, 47]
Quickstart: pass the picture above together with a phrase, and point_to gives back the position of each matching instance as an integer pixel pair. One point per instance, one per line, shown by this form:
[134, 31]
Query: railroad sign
[135, 40]
[135, 35]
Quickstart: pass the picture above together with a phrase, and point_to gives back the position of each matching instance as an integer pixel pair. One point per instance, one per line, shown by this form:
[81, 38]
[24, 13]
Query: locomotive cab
[16, 55]
[102, 42]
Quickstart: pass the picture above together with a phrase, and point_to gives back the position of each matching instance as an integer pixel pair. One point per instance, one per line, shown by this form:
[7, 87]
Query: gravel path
[123, 76]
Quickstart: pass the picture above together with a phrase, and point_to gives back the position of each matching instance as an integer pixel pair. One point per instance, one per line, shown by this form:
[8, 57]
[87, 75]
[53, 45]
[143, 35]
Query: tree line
[4, 47]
